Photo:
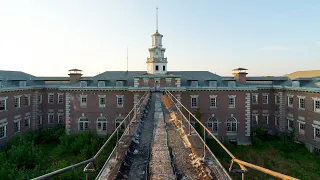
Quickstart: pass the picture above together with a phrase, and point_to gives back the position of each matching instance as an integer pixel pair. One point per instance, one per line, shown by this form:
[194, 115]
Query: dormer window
[119, 84]
[83, 83]
[231, 84]
[101, 84]
[295, 84]
[212, 83]
[194, 83]
[22, 83]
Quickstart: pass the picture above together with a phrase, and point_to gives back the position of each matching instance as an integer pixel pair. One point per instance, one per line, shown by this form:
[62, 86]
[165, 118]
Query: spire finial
[157, 18]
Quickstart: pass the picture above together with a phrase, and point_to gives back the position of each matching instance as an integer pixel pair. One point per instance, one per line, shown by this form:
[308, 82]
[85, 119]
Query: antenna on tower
[127, 60]
[157, 19]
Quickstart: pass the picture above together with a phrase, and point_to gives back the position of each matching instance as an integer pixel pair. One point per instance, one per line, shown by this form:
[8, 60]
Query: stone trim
[301, 118]
[67, 120]
[248, 115]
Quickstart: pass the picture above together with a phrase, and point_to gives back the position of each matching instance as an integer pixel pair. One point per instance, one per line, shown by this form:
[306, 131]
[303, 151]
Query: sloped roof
[304, 74]
[15, 75]
[267, 78]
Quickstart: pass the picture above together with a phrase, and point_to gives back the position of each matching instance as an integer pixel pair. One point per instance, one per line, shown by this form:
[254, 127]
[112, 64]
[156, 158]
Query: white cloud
[275, 48]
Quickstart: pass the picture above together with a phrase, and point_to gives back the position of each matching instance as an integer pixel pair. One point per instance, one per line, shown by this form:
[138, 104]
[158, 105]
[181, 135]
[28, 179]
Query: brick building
[231, 106]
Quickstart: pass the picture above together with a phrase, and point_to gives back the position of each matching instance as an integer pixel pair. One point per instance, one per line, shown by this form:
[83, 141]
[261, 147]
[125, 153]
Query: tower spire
[157, 19]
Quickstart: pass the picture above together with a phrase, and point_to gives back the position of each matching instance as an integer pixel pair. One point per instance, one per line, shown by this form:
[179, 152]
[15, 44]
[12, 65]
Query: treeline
[38, 153]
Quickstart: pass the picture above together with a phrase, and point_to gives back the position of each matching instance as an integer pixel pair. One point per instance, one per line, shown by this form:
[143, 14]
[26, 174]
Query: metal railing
[132, 115]
[241, 163]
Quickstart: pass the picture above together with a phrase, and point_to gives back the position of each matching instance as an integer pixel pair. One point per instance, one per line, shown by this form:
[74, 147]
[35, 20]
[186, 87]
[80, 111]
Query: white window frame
[255, 98]
[83, 124]
[214, 124]
[105, 99]
[28, 120]
[60, 98]
[4, 100]
[28, 98]
[40, 98]
[213, 101]
[3, 124]
[18, 121]
[255, 118]
[194, 104]
[118, 120]
[265, 121]
[120, 105]
[51, 114]
[232, 125]
[60, 118]
[103, 124]
[101, 83]
[233, 105]
[290, 120]
[302, 131]
[276, 99]
[19, 101]
[50, 98]
[83, 100]
[316, 128]
[288, 101]
[316, 102]
[304, 102]
[263, 98]
[39, 118]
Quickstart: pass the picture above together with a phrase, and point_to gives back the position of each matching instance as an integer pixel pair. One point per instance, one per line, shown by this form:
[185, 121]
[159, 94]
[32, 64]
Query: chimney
[240, 75]
[75, 75]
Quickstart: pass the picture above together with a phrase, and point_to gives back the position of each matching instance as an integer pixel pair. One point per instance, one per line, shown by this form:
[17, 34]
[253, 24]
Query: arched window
[231, 125]
[101, 124]
[118, 122]
[212, 124]
[83, 124]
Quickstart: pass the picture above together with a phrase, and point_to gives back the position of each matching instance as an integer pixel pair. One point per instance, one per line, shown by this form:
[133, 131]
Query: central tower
[156, 62]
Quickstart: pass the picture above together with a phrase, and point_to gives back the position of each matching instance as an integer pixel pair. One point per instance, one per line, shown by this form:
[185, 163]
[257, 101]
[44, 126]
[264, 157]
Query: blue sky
[47, 38]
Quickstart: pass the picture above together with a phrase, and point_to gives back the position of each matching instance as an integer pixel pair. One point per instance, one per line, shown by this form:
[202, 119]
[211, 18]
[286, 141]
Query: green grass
[38, 153]
[281, 156]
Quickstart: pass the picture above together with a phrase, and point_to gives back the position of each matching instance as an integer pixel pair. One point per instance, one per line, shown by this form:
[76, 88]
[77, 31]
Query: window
[231, 125]
[119, 100]
[50, 98]
[3, 128]
[212, 83]
[265, 118]
[22, 83]
[157, 68]
[3, 104]
[27, 100]
[60, 118]
[255, 119]
[163, 68]
[276, 120]
[17, 125]
[39, 119]
[277, 99]
[83, 100]
[83, 124]
[83, 83]
[232, 101]
[101, 83]
[102, 101]
[301, 128]
[118, 122]
[255, 99]
[119, 83]
[290, 124]
[146, 82]
[301, 103]
[101, 124]
[27, 122]
[290, 101]
[264, 99]
[231, 83]
[194, 101]
[212, 124]
[50, 118]
[213, 101]
[60, 98]
[317, 132]
[168, 82]
[17, 101]
[40, 98]
[316, 106]
[194, 83]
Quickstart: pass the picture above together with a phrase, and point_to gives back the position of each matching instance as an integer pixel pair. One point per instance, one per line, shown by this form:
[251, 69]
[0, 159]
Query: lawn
[275, 154]
[38, 153]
